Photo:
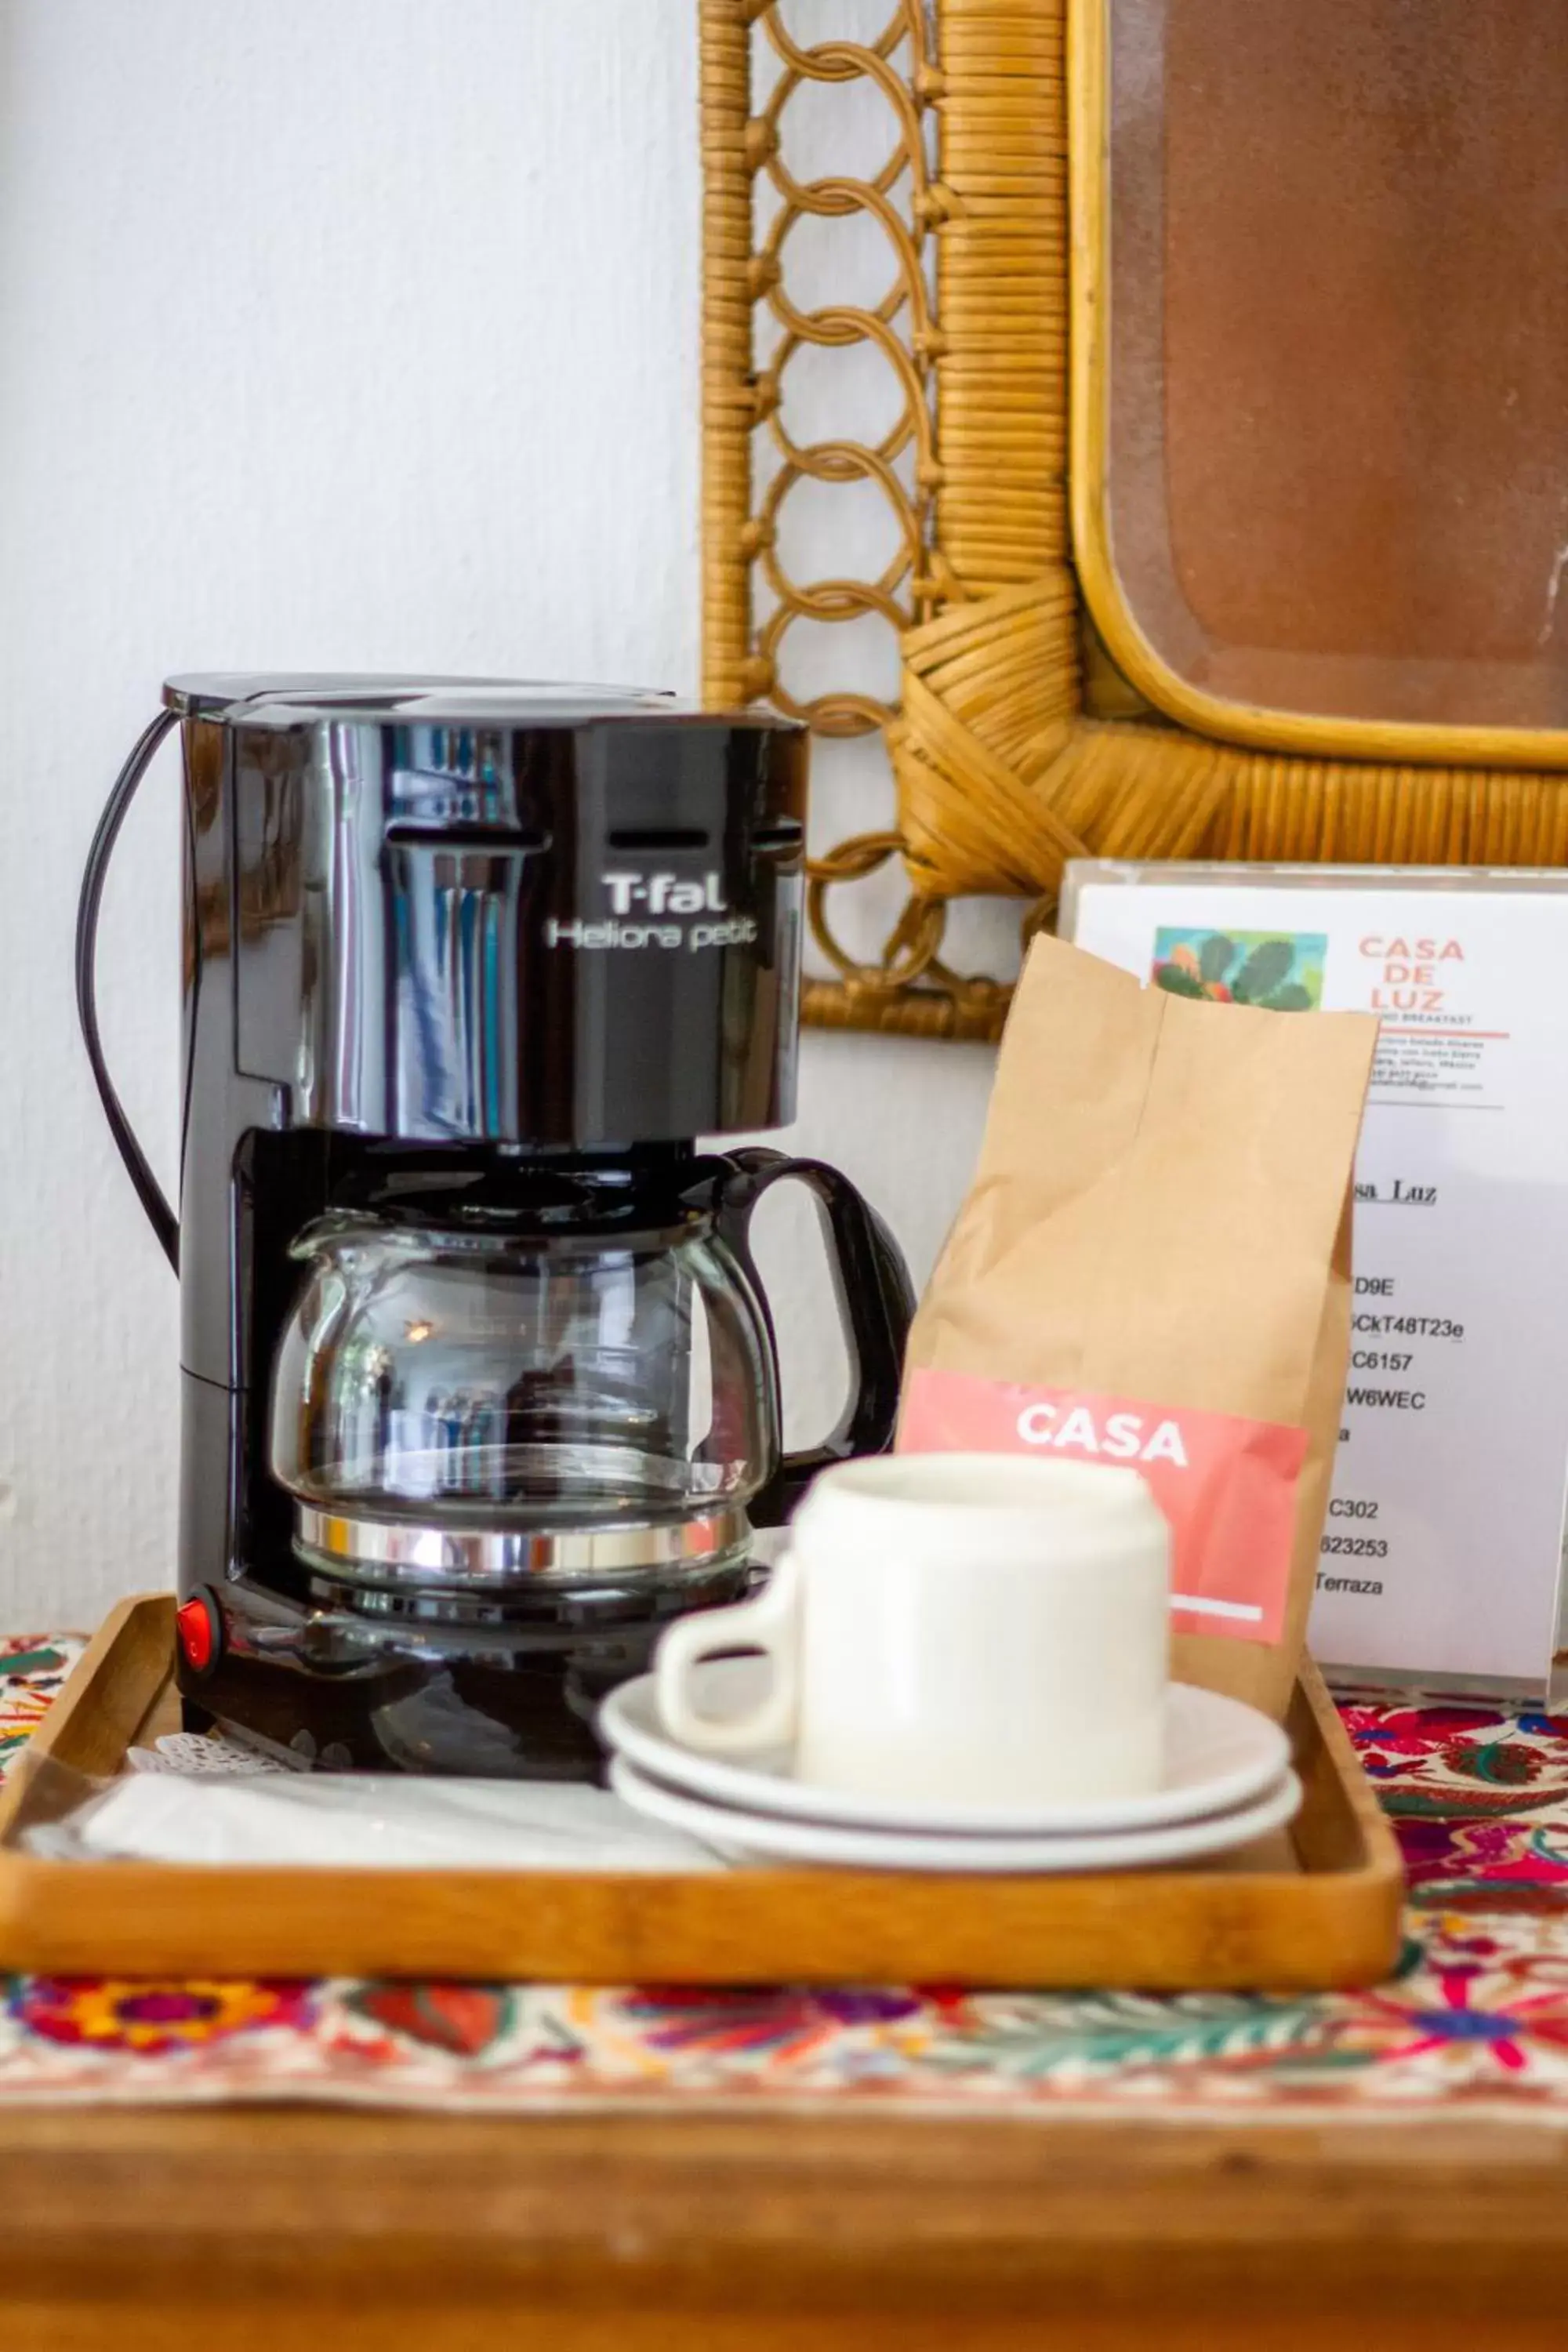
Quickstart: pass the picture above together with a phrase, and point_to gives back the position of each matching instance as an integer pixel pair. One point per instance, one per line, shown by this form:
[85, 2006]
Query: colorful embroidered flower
[147, 2017]
[1510, 1764]
[1480, 2015]
[27, 1654]
[1411, 1728]
[758, 2019]
[1498, 1859]
[462, 2019]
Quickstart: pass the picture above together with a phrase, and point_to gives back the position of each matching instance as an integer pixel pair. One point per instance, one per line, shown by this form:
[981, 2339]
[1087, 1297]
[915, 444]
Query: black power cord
[165, 1222]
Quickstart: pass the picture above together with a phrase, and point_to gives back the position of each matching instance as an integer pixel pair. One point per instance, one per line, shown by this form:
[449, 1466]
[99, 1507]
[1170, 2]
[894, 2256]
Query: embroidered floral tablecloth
[1476, 2016]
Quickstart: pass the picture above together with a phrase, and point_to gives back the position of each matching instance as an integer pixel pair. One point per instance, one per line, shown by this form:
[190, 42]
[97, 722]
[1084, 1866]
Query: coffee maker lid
[306, 698]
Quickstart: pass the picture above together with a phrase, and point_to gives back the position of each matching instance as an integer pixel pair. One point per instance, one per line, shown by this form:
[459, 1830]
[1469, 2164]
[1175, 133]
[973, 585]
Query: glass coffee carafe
[573, 1380]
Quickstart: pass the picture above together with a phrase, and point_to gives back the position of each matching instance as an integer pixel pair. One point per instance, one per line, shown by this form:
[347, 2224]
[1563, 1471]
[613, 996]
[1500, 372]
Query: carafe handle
[163, 1220]
[875, 1302]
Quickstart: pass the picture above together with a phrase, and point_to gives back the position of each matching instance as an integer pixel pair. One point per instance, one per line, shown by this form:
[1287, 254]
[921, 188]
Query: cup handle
[769, 1624]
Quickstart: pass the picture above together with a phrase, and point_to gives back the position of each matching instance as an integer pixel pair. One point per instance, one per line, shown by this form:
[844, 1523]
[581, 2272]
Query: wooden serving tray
[1316, 1906]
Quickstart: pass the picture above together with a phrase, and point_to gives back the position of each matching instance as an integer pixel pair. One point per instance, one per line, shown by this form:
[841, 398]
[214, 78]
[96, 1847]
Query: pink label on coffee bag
[1226, 1485]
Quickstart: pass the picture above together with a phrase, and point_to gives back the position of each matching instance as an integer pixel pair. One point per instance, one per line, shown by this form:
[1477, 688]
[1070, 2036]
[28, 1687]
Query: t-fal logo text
[664, 894]
[643, 912]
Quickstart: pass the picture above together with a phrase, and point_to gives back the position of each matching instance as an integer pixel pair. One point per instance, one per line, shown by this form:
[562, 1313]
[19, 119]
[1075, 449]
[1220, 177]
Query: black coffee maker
[479, 1379]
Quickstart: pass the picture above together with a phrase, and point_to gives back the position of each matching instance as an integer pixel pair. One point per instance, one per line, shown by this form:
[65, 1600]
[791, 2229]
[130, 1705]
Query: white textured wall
[356, 334]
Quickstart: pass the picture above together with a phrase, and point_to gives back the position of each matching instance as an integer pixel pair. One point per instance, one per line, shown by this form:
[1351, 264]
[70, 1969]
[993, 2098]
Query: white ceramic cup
[965, 1626]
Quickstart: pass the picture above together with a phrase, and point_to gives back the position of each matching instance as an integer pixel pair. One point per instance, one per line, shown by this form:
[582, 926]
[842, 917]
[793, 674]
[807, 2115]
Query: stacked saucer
[1226, 1783]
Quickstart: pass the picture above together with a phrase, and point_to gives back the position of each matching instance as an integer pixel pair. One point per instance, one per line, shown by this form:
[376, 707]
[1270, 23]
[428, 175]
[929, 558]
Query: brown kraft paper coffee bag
[1153, 1268]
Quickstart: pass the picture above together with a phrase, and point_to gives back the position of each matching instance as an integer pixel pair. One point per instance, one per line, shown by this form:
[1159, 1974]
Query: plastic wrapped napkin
[372, 1821]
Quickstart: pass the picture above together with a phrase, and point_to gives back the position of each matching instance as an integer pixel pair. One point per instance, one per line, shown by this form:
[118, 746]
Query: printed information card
[1442, 1556]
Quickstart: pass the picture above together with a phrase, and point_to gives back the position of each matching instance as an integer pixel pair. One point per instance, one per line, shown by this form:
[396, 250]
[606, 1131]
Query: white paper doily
[199, 1751]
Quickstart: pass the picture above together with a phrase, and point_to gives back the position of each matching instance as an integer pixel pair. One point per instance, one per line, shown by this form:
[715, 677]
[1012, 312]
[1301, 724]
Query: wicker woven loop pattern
[1002, 775]
[747, 272]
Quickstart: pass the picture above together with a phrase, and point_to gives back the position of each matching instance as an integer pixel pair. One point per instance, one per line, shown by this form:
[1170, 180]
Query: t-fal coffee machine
[479, 1379]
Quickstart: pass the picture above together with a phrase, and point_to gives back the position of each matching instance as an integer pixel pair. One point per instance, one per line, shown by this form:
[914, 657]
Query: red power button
[200, 1631]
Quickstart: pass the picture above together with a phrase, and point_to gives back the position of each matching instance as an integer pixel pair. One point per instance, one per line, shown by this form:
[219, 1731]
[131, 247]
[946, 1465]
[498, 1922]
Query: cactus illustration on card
[1281, 970]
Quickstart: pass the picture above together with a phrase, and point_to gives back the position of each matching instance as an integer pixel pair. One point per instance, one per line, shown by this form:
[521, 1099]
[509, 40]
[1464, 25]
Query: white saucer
[760, 1837]
[1218, 1755]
